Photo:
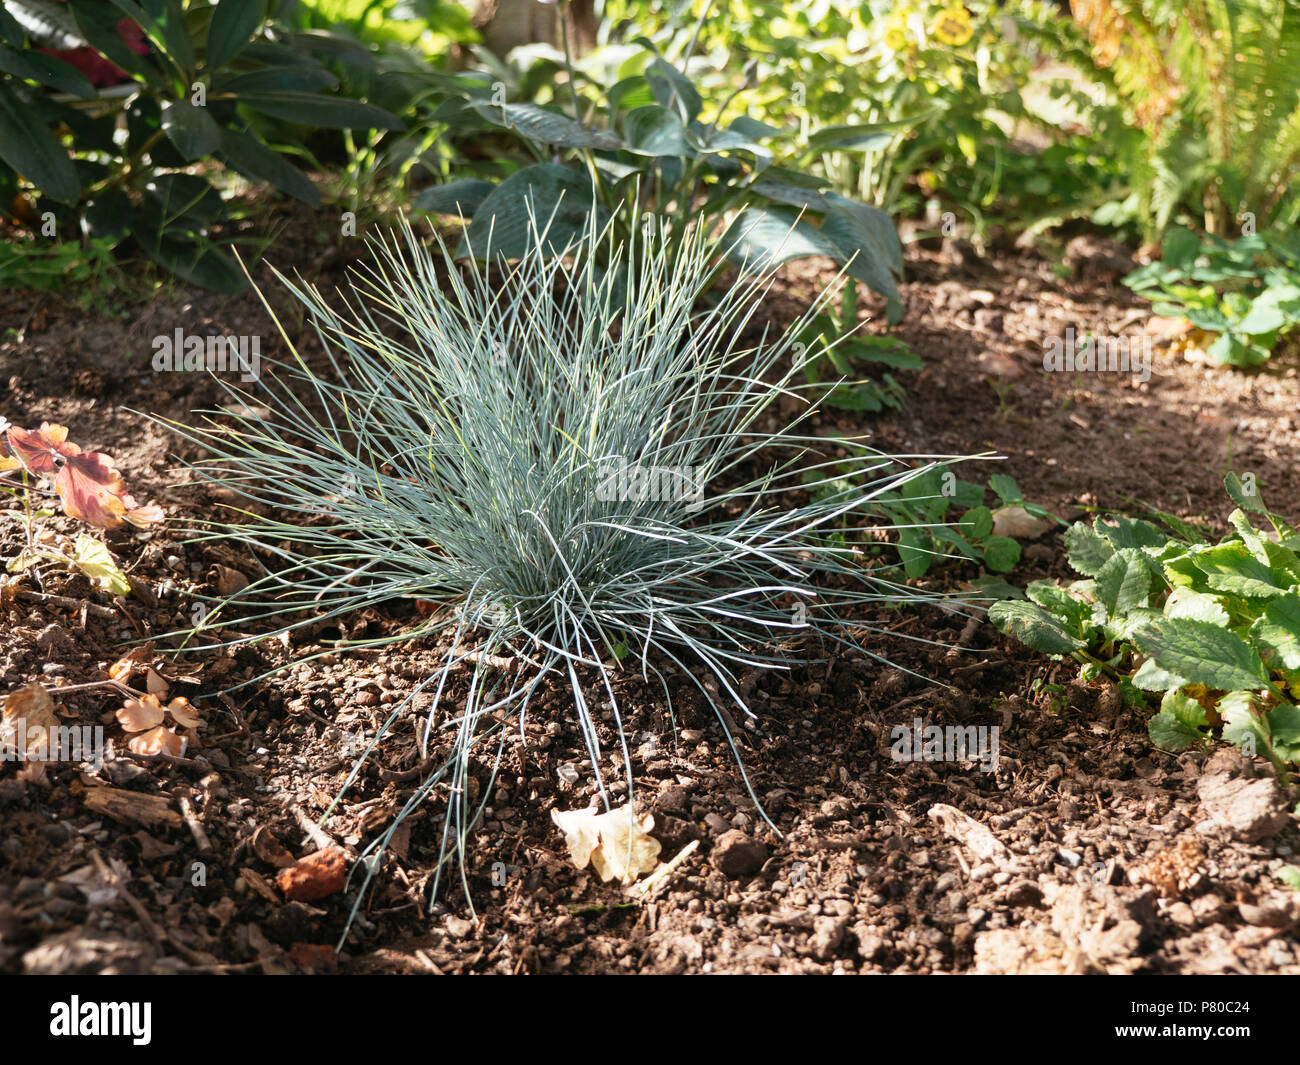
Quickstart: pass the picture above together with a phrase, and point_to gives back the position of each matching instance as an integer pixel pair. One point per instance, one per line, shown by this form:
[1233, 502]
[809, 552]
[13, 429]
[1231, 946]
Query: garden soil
[1085, 851]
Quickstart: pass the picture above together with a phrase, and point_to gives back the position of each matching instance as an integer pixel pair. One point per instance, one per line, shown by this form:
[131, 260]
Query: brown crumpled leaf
[617, 844]
[28, 718]
[270, 849]
[314, 877]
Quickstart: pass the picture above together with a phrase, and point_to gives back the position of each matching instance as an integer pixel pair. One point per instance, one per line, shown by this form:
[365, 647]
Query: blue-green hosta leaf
[1278, 630]
[656, 131]
[1233, 569]
[1086, 550]
[549, 127]
[1033, 627]
[546, 201]
[1124, 582]
[1178, 724]
[1202, 652]
[462, 197]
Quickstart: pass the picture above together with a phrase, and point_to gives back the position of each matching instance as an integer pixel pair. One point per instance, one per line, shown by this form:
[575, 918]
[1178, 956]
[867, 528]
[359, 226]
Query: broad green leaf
[462, 197]
[546, 201]
[277, 79]
[246, 154]
[1124, 582]
[1006, 488]
[656, 131]
[1129, 532]
[1202, 652]
[1232, 568]
[1151, 678]
[232, 27]
[95, 561]
[548, 127]
[192, 129]
[33, 151]
[1244, 495]
[46, 70]
[1033, 627]
[673, 89]
[331, 112]
[1001, 553]
[1278, 630]
[1086, 550]
[1183, 602]
[1178, 724]
[1243, 726]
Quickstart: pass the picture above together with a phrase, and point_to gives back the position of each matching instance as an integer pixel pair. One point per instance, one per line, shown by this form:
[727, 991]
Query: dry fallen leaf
[137, 715]
[1018, 523]
[155, 682]
[617, 844]
[184, 713]
[131, 663]
[314, 877]
[225, 580]
[28, 720]
[160, 740]
[270, 849]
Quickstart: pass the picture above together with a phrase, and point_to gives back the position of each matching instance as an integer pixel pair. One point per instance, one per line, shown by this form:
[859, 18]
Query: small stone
[458, 927]
[736, 855]
[828, 934]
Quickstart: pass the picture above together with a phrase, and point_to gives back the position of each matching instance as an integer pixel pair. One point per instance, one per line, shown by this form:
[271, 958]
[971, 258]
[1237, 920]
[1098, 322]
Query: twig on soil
[319, 836]
[67, 602]
[195, 826]
[660, 876]
[142, 915]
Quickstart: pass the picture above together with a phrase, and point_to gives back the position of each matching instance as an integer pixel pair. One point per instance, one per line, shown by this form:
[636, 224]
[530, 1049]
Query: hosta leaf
[546, 200]
[1183, 602]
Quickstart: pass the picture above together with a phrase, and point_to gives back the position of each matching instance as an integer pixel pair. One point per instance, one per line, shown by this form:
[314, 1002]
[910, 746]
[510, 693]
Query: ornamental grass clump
[575, 462]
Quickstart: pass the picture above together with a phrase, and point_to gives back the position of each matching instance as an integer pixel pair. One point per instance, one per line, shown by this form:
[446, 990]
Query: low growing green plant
[1245, 293]
[566, 459]
[937, 515]
[1211, 630]
[105, 107]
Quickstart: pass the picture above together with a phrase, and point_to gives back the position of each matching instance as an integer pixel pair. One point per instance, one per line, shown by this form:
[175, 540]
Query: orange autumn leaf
[140, 714]
[315, 876]
[87, 481]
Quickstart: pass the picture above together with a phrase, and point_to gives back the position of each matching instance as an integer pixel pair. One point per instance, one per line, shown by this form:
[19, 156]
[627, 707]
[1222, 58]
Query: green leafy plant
[1210, 630]
[106, 107]
[648, 147]
[1244, 293]
[566, 460]
[918, 512]
[1214, 85]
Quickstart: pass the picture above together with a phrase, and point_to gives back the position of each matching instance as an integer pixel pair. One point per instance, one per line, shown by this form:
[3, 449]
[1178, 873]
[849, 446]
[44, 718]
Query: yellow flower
[895, 40]
[953, 27]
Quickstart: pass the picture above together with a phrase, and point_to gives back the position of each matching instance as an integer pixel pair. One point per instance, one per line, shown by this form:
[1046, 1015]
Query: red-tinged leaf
[87, 481]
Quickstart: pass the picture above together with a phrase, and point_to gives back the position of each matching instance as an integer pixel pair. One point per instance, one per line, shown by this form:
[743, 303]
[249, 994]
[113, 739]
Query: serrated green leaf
[1232, 568]
[1033, 627]
[1086, 550]
[1278, 630]
[1124, 582]
[1202, 652]
[95, 561]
